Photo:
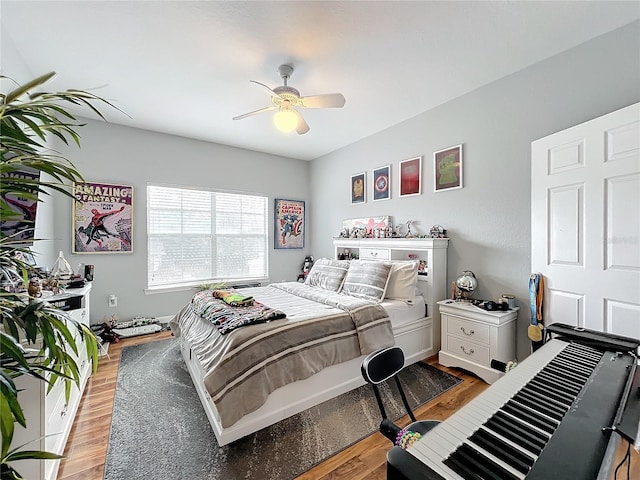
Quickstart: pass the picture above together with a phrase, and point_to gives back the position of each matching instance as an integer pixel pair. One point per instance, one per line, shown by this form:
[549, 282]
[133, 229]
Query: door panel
[585, 222]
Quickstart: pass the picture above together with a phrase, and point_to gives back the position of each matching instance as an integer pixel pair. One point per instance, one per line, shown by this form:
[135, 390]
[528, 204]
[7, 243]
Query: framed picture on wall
[289, 224]
[20, 224]
[358, 190]
[102, 218]
[447, 165]
[382, 183]
[410, 177]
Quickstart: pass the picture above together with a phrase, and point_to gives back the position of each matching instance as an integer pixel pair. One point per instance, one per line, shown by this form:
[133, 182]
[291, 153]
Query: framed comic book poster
[410, 177]
[382, 183]
[289, 224]
[20, 225]
[358, 190]
[102, 218]
[447, 169]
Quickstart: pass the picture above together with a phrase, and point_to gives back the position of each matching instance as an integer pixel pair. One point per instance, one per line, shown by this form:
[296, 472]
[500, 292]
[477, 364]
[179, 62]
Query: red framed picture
[410, 177]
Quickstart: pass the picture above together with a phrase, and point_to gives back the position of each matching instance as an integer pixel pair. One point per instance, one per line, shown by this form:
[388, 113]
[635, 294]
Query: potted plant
[35, 338]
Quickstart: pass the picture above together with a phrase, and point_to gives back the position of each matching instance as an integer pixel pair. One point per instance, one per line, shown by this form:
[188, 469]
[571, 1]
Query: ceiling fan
[285, 99]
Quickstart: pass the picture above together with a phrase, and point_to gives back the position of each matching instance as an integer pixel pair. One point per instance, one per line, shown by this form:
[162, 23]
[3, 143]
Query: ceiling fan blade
[330, 100]
[303, 126]
[271, 92]
[265, 109]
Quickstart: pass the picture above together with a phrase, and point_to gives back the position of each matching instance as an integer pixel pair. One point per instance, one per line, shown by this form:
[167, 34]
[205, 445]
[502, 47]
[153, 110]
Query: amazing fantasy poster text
[102, 218]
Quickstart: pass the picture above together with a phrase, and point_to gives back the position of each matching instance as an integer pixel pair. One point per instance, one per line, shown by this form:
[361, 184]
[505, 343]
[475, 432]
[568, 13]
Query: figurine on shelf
[437, 232]
[35, 288]
[409, 234]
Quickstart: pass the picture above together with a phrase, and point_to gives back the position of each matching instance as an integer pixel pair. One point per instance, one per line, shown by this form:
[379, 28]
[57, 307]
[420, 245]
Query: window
[198, 236]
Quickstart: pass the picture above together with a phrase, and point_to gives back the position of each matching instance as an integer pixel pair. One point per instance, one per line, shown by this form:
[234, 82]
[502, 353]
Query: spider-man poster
[102, 218]
[289, 223]
[20, 225]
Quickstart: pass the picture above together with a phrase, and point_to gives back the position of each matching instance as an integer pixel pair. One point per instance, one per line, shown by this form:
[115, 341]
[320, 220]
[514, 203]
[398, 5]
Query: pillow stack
[368, 279]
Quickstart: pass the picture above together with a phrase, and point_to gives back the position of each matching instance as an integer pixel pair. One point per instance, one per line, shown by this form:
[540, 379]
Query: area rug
[159, 429]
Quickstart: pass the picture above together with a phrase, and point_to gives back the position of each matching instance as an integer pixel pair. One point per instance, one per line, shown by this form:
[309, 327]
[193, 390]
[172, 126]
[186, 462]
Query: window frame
[236, 281]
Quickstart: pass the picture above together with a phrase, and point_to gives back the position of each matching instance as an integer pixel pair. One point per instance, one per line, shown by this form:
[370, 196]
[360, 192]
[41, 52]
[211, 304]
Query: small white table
[472, 337]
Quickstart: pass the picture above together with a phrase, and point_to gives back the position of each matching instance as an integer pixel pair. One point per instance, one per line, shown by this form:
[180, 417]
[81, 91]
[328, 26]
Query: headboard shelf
[431, 252]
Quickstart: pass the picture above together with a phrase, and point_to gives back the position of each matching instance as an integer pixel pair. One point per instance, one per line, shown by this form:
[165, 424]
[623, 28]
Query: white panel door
[585, 223]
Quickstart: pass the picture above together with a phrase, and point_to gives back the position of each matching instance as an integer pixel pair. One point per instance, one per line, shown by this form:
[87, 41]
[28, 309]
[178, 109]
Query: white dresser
[472, 337]
[49, 416]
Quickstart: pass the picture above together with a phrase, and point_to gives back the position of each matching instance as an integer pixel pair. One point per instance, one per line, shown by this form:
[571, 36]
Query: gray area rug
[159, 429]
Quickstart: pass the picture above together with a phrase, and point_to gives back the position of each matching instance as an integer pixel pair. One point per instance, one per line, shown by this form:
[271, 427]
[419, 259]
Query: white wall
[18, 72]
[488, 220]
[115, 154]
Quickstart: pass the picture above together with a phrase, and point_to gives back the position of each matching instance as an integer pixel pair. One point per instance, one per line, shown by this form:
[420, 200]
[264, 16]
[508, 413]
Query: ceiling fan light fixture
[286, 120]
[286, 100]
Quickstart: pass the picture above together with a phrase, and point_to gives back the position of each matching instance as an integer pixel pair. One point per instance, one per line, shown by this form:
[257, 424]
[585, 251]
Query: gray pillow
[367, 279]
[328, 274]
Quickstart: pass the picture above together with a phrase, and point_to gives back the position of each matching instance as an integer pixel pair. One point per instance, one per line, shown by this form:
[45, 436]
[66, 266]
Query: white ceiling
[183, 67]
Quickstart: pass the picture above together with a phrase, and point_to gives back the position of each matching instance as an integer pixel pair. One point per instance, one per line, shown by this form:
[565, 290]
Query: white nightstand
[472, 337]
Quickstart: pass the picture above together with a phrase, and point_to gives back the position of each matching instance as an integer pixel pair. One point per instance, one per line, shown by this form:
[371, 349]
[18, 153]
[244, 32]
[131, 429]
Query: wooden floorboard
[87, 445]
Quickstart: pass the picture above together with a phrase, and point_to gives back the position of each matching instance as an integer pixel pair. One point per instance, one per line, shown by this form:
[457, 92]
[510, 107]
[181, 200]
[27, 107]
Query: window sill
[196, 285]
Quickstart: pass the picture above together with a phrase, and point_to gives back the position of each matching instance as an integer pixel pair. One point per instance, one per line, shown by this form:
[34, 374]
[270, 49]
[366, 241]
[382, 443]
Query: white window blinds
[198, 236]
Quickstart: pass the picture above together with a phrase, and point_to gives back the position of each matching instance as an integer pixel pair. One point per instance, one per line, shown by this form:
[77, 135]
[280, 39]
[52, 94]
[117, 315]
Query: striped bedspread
[322, 328]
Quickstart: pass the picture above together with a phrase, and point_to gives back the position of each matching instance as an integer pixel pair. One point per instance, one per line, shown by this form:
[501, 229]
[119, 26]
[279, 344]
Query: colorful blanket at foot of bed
[226, 317]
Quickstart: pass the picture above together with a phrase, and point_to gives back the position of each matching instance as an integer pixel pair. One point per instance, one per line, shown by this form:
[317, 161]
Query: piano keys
[546, 419]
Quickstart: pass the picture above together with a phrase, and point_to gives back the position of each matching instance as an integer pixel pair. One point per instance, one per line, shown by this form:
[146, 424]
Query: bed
[259, 373]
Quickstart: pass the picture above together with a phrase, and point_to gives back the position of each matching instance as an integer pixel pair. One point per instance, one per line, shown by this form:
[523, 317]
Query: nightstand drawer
[469, 330]
[468, 350]
[374, 254]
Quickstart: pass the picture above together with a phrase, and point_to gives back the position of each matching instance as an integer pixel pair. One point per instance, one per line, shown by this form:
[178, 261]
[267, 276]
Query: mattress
[401, 313]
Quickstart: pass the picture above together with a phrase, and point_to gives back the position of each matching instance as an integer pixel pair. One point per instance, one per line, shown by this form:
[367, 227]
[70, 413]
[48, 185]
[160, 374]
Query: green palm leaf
[28, 119]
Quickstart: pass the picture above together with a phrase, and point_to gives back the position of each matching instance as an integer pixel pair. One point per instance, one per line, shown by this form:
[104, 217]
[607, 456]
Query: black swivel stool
[382, 365]
[377, 367]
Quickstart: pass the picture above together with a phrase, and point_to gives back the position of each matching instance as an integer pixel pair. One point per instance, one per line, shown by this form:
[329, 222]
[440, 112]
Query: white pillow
[403, 281]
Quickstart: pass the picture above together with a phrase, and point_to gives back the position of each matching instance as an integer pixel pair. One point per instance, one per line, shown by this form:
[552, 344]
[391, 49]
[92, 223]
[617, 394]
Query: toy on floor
[135, 327]
[105, 333]
[138, 330]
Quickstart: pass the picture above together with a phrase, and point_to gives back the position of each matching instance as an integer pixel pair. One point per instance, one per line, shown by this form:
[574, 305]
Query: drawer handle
[470, 352]
[64, 411]
[470, 332]
[374, 254]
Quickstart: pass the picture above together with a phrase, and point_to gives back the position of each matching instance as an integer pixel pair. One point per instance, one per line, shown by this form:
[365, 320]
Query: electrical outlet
[113, 301]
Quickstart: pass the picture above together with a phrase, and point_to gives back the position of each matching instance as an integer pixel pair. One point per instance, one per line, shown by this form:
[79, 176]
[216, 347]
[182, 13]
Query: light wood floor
[87, 445]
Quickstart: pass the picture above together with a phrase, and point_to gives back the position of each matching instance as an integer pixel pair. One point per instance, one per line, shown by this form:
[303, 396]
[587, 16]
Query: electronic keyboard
[550, 418]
